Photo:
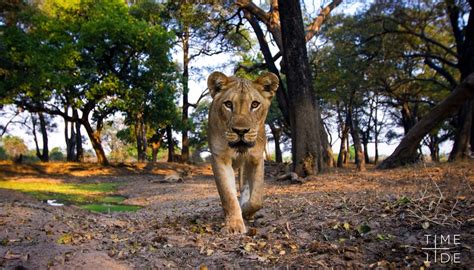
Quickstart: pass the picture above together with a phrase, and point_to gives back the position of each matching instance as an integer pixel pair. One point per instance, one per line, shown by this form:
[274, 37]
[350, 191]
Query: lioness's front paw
[234, 226]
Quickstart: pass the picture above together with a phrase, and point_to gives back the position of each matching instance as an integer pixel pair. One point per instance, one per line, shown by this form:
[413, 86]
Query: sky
[197, 84]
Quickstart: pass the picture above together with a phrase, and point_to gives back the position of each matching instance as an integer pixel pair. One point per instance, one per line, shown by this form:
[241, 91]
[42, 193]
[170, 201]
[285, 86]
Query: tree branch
[419, 35]
[8, 123]
[259, 13]
[441, 72]
[432, 56]
[315, 26]
[203, 94]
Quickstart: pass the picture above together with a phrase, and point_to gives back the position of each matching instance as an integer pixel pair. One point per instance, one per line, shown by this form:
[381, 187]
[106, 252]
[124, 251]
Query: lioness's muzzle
[241, 145]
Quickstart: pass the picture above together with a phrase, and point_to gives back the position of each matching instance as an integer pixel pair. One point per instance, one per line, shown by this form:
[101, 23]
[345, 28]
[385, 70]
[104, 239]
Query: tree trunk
[169, 138]
[408, 117]
[79, 149]
[95, 139]
[326, 148]
[44, 135]
[406, 150]
[155, 147]
[365, 144]
[276, 133]
[344, 128]
[35, 136]
[281, 95]
[376, 131]
[70, 140]
[304, 113]
[342, 157]
[463, 133]
[465, 49]
[472, 133]
[376, 145]
[185, 116]
[42, 155]
[434, 147]
[140, 136]
[359, 152]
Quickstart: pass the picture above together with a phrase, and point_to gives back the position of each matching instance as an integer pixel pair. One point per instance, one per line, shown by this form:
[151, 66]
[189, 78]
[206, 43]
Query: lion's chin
[241, 146]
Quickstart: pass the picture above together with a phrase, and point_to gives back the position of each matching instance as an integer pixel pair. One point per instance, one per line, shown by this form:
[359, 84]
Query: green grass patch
[105, 208]
[94, 197]
[66, 193]
[112, 199]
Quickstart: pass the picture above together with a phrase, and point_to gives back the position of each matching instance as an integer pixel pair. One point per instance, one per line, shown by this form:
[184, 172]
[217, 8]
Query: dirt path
[377, 219]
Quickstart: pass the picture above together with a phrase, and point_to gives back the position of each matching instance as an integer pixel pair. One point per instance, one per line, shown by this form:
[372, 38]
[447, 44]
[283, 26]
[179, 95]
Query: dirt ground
[340, 220]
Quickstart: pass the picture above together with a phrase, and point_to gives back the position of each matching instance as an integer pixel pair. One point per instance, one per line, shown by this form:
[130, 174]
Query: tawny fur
[239, 105]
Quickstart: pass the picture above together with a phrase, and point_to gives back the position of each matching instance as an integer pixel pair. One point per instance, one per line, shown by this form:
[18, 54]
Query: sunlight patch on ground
[92, 197]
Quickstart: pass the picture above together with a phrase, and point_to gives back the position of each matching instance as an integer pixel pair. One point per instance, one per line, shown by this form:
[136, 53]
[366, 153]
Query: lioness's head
[242, 106]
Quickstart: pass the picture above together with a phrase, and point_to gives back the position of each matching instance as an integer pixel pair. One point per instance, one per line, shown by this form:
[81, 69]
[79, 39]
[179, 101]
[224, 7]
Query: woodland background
[105, 69]
[126, 185]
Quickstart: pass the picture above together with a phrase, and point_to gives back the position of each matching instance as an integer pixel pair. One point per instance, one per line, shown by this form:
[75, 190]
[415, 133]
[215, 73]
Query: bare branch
[441, 72]
[315, 26]
[432, 56]
[259, 13]
[203, 94]
[419, 35]
[8, 123]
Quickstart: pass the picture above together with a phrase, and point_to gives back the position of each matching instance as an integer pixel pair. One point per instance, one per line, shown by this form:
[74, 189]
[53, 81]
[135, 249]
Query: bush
[3, 154]
[56, 154]
[14, 146]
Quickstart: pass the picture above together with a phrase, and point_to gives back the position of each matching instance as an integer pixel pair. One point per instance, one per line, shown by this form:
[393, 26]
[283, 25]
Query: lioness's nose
[240, 131]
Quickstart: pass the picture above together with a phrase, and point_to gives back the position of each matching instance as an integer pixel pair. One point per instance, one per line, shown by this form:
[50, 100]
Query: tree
[202, 30]
[14, 146]
[57, 154]
[271, 19]
[304, 116]
[44, 125]
[403, 154]
[447, 51]
[88, 56]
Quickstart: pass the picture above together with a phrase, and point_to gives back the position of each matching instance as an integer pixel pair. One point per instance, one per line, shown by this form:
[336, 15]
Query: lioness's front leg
[252, 193]
[225, 182]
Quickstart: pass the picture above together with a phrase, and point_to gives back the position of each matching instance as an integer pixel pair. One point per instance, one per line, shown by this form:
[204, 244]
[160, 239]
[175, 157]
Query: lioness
[237, 141]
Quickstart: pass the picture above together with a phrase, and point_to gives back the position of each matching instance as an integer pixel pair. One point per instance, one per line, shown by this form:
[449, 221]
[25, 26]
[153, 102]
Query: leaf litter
[343, 219]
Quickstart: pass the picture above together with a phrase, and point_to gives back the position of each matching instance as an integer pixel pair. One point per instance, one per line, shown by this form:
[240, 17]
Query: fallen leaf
[12, 256]
[252, 232]
[261, 244]
[65, 239]
[346, 226]
[249, 247]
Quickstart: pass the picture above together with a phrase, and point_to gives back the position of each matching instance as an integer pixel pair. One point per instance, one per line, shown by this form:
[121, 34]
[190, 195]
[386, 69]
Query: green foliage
[198, 136]
[352, 152]
[3, 153]
[14, 146]
[371, 61]
[91, 55]
[56, 154]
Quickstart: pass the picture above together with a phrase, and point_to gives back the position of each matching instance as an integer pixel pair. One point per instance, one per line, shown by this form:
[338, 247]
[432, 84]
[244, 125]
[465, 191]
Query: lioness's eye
[228, 104]
[255, 104]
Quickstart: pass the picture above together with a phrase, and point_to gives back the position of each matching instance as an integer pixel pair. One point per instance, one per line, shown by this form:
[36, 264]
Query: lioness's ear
[270, 82]
[215, 81]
